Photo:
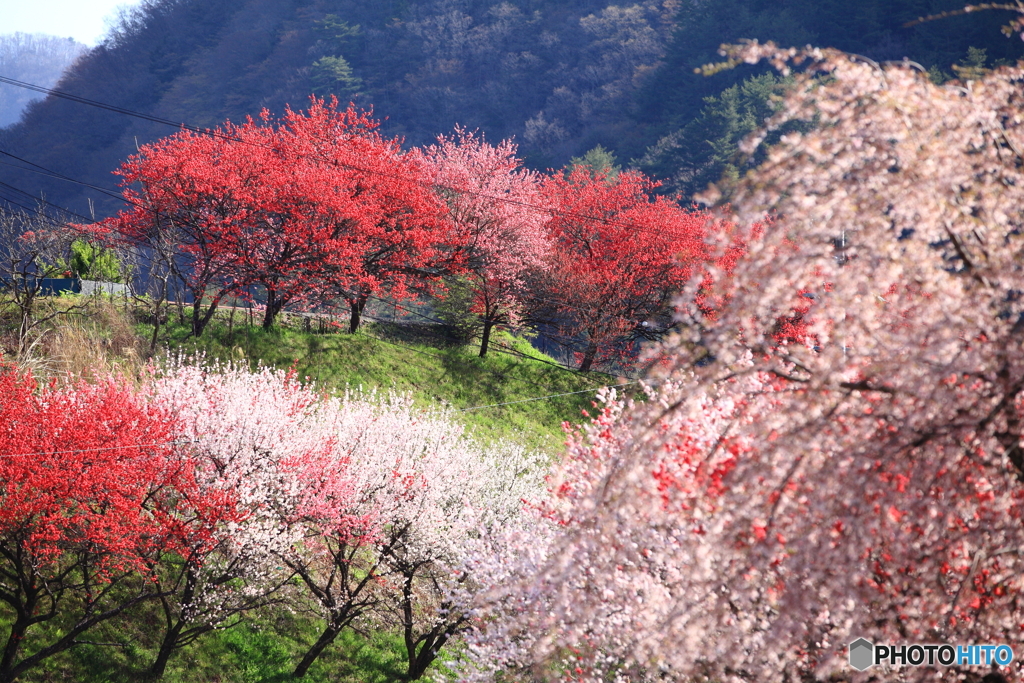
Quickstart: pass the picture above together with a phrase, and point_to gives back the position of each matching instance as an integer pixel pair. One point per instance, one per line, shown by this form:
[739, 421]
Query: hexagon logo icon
[862, 654]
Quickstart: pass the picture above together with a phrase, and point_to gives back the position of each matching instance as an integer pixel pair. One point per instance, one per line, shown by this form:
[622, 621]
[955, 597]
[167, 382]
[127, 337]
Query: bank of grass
[415, 359]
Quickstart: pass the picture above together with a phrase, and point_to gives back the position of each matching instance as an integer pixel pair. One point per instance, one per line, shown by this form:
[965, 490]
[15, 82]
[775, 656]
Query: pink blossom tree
[779, 496]
[495, 205]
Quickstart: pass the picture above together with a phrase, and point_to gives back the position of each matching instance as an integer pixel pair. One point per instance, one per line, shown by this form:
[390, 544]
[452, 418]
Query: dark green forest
[562, 76]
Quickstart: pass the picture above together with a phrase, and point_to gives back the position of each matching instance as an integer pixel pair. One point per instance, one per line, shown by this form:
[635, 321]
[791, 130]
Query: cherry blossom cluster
[834, 451]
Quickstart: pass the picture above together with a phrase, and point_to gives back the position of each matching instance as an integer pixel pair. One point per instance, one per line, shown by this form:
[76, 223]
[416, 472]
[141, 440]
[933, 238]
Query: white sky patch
[84, 20]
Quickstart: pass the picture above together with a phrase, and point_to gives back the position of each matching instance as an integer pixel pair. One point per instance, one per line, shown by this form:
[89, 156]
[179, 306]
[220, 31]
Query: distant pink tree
[497, 210]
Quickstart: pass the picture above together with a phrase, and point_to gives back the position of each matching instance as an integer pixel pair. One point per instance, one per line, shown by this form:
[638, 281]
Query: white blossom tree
[266, 444]
[432, 506]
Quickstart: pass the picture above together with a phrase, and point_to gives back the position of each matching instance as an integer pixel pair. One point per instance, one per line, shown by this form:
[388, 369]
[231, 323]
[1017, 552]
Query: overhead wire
[175, 442]
[42, 200]
[350, 166]
[19, 204]
[40, 170]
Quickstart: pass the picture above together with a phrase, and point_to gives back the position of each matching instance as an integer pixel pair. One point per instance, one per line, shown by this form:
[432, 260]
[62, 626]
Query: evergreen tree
[707, 148]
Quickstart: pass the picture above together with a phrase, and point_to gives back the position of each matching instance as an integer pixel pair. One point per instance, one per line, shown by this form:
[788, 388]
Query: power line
[42, 200]
[22, 206]
[96, 103]
[214, 133]
[176, 442]
[40, 170]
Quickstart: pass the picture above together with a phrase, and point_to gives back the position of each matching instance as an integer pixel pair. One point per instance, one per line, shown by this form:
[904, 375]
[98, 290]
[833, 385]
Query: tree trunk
[161, 297]
[26, 304]
[356, 307]
[156, 331]
[231, 322]
[421, 652]
[200, 318]
[14, 640]
[174, 628]
[167, 647]
[588, 357]
[485, 341]
[271, 311]
[11, 670]
[326, 638]
[179, 303]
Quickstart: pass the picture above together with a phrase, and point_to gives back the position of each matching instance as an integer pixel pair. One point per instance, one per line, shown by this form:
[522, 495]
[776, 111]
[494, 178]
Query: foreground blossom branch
[782, 494]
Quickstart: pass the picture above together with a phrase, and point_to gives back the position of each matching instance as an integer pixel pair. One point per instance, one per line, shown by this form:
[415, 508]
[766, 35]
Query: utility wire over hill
[213, 133]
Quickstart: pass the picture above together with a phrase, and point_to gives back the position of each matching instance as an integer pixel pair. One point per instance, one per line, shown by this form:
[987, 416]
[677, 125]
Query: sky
[83, 20]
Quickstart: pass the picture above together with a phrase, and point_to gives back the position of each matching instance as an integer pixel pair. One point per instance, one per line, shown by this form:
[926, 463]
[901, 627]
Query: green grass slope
[514, 392]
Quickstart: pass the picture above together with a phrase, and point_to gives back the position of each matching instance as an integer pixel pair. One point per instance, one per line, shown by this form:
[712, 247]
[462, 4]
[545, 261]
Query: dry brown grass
[96, 342]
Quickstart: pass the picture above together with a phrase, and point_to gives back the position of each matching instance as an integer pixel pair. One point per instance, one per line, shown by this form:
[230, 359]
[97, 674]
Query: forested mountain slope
[561, 76]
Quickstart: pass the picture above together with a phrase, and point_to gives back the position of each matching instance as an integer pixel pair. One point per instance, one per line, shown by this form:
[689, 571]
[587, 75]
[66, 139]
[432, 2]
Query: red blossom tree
[188, 195]
[89, 497]
[618, 257]
[314, 206]
[388, 229]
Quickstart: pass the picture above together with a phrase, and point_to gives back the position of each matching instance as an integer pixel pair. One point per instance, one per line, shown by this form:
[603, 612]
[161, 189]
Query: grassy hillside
[258, 651]
[416, 359]
[515, 392]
